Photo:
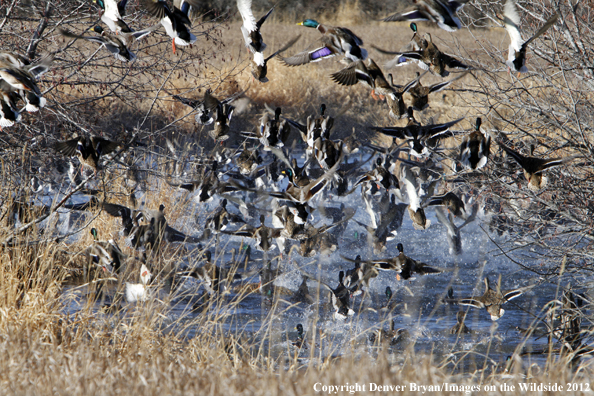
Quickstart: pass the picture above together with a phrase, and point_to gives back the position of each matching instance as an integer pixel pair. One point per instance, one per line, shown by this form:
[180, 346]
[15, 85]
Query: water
[270, 325]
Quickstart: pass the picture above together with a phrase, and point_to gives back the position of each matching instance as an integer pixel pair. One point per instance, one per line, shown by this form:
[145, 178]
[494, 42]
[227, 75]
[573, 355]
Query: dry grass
[141, 350]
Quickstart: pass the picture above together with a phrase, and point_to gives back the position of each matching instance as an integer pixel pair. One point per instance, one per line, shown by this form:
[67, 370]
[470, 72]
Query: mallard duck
[415, 210]
[420, 93]
[389, 305]
[248, 160]
[221, 217]
[379, 175]
[428, 57]
[88, 149]
[260, 67]
[327, 152]
[300, 340]
[340, 298]
[251, 30]
[534, 167]
[475, 148]
[208, 186]
[9, 113]
[138, 291]
[205, 107]
[516, 58]
[222, 118]
[314, 128]
[117, 45]
[262, 234]
[416, 134]
[451, 201]
[173, 19]
[441, 12]
[390, 222]
[273, 133]
[335, 40]
[112, 15]
[460, 327]
[370, 75]
[493, 299]
[304, 194]
[395, 100]
[358, 278]
[392, 337]
[105, 253]
[24, 72]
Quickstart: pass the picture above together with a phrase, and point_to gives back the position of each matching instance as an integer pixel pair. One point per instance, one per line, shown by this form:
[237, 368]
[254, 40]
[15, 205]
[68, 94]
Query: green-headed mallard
[428, 57]
[335, 40]
[442, 12]
[174, 20]
[534, 167]
[475, 148]
[516, 58]
[105, 253]
[251, 31]
[112, 15]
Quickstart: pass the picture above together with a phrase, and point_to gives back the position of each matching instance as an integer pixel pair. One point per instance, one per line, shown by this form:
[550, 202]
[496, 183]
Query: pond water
[417, 303]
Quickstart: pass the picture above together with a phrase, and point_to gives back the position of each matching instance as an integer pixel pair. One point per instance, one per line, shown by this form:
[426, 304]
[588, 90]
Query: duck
[260, 67]
[493, 299]
[107, 254]
[442, 12]
[428, 57]
[300, 340]
[516, 57]
[221, 217]
[314, 128]
[205, 108]
[358, 278]
[460, 327]
[391, 219]
[304, 194]
[117, 45]
[251, 30]
[112, 15]
[403, 265]
[88, 149]
[19, 70]
[335, 41]
[390, 304]
[380, 176]
[174, 20]
[138, 292]
[214, 278]
[415, 210]
[9, 113]
[222, 117]
[391, 337]
[340, 298]
[395, 99]
[534, 167]
[368, 74]
[262, 234]
[420, 93]
[416, 134]
[453, 231]
[272, 132]
[451, 201]
[475, 148]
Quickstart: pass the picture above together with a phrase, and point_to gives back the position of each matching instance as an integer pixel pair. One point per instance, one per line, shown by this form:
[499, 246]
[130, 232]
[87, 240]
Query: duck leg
[173, 45]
